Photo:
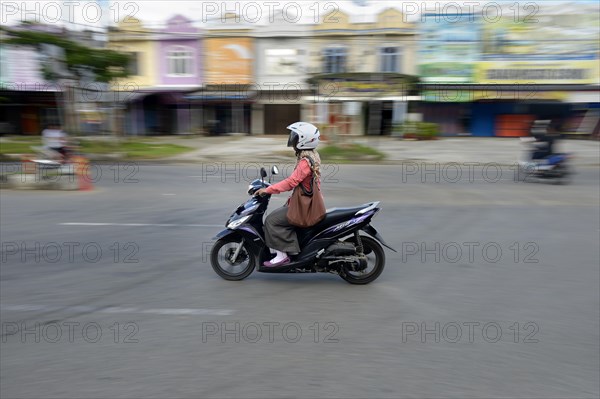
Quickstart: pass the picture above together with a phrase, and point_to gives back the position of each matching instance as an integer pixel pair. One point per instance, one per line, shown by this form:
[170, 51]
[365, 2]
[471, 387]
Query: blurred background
[355, 68]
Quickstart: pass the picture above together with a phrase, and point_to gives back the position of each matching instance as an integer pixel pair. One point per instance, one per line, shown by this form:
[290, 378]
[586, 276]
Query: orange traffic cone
[84, 183]
[81, 171]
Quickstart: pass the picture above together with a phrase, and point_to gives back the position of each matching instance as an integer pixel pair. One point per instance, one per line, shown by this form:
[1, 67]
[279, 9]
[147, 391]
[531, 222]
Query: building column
[141, 125]
[183, 119]
[306, 112]
[257, 115]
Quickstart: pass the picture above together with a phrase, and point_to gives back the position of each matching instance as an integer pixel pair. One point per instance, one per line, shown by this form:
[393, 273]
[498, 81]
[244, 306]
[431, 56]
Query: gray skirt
[279, 233]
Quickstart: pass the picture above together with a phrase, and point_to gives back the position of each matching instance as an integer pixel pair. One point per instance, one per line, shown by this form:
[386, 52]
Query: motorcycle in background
[550, 166]
[51, 159]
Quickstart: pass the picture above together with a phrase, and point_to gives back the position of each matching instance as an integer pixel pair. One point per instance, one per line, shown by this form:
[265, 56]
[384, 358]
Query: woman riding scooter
[280, 235]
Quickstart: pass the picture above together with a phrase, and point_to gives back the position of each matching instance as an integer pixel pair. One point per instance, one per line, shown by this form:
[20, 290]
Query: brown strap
[312, 168]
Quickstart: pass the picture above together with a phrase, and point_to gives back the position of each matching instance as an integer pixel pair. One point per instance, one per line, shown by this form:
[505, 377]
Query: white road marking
[117, 309]
[225, 178]
[207, 178]
[139, 224]
[169, 194]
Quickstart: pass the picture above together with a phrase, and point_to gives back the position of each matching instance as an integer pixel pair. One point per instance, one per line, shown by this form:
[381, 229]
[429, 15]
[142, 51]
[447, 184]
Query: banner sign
[449, 48]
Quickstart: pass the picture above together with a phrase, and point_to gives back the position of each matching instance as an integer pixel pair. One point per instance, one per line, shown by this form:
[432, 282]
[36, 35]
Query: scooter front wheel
[230, 258]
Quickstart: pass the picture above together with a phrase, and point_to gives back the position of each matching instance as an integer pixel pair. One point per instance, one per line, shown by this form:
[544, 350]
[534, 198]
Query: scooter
[333, 245]
[53, 160]
[556, 167]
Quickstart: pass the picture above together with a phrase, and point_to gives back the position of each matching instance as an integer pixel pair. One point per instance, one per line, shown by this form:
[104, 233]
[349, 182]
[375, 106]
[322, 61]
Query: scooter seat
[555, 159]
[332, 217]
[336, 215]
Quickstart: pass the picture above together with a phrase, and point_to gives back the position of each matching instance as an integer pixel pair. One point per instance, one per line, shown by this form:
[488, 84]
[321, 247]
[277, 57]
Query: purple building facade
[164, 109]
[180, 55]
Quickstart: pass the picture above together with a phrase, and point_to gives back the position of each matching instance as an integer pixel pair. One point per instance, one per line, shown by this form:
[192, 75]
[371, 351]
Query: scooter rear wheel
[375, 262]
[524, 174]
[564, 174]
[221, 259]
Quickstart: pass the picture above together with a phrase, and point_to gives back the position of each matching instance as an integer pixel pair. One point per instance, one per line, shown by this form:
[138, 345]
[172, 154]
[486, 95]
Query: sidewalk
[504, 151]
[272, 149]
[236, 147]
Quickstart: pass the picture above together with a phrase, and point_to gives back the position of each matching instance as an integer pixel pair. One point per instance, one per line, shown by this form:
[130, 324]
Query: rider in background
[545, 133]
[55, 139]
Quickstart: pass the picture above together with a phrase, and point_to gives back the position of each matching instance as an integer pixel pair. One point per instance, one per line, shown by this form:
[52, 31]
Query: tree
[101, 65]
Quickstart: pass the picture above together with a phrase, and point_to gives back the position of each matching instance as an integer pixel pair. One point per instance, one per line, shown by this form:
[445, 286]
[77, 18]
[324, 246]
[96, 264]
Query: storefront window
[4, 77]
[180, 61]
[281, 61]
[132, 66]
[334, 60]
[390, 59]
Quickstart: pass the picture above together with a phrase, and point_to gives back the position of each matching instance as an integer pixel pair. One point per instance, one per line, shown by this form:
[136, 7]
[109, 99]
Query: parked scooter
[334, 245]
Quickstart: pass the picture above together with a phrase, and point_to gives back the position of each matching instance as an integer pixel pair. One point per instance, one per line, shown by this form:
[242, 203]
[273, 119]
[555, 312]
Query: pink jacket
[302, 174]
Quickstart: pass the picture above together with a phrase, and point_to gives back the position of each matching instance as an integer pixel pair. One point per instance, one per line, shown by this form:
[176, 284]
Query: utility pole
[59, 74]
[69, 84]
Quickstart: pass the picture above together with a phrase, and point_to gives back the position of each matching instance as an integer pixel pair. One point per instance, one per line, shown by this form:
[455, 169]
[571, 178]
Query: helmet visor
[293, 139]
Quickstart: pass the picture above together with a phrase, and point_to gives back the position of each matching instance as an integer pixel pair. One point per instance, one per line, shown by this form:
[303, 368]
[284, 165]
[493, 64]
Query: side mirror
[274, 170]
[263, 173]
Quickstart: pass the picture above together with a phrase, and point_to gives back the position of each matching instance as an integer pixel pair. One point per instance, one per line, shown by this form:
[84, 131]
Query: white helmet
[303, 136]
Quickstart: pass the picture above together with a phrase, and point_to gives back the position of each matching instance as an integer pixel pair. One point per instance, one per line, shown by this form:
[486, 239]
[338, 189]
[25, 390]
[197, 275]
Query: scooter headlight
[238, 222]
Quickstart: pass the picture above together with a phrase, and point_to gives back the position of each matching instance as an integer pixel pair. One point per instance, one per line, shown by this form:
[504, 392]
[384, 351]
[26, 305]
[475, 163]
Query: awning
[324, 99]
[362, 77]
[124, 96]
[121, 97]
[582, 97]
[216, 95]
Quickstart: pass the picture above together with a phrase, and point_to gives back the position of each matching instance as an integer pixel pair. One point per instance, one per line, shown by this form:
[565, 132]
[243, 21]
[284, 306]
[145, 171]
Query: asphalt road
[494, 291]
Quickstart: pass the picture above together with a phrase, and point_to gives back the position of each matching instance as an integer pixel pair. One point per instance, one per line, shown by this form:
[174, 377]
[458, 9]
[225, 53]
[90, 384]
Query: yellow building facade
[133, 38]
[359, 69]
[364, 42]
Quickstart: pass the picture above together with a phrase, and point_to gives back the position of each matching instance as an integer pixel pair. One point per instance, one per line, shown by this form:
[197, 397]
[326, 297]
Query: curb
[33, 182]
[267, 160]
[276, 161]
